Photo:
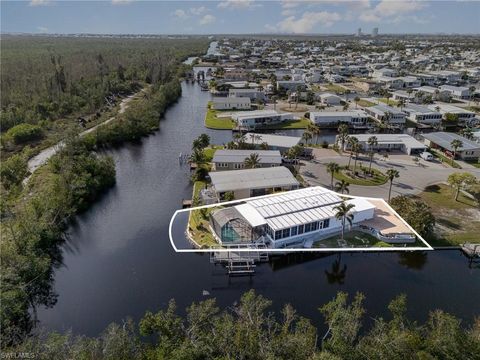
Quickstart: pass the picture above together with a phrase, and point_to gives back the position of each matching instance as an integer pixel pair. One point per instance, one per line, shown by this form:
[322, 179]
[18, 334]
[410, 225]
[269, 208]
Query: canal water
[118, 261]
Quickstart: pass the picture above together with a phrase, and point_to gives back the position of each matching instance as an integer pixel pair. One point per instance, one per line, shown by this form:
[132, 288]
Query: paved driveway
[413, 178]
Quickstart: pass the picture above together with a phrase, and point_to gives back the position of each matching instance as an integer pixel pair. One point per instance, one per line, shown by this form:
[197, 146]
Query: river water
[118, 261]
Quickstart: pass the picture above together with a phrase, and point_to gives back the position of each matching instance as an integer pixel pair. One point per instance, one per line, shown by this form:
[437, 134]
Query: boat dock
[240, 263]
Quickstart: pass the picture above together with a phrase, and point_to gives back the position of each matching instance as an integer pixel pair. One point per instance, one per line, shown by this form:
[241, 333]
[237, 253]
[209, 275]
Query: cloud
[270, 28]
[42, 29]
[288, 12]
[290, 4]
[392, 11]
[181, 14]
[39, 2]
[238, 4]
[198, 11]
[207, 19]
[308, 21]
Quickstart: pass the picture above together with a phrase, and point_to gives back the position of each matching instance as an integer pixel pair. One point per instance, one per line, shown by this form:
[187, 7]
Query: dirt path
[41, 158]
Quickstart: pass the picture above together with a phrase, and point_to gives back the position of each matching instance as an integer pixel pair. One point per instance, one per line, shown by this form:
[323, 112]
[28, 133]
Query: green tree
[342, 187]
[352, 144]
[343, 212]
[372, 144]
[252, 161]
[455, 144]
[343, 135]
[415, 212]
[332, 168]
[357, 100]
[391, 175]
[460, 181]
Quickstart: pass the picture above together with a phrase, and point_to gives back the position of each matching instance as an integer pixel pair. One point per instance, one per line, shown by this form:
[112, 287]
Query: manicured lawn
[390, 102]
[378, 178]
[212, 121]
[198, 220]
[337, 89]
[301, 123]
[456, 221]
[210, 151]
[365, 103]
[353, 238]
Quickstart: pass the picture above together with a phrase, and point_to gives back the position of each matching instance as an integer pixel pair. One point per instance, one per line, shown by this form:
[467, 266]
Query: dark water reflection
[118, 261]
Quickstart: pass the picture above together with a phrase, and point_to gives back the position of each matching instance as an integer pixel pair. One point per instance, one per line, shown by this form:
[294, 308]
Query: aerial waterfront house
[300, 217]
[422, 114]
[252, 94]
[252, 182]
[465, 117]
[231, 103]
[235, 159]
[275, 142]
[391, 142]
[257, 118]
[386, 113]
[354, 118]
[469, 150]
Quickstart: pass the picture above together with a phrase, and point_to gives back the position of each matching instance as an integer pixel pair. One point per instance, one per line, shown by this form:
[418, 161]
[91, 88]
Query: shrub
[23, 133]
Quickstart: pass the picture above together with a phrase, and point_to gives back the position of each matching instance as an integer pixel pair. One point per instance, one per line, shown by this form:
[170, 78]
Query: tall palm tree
[391, 174]
[356, 148]
[351, 143]
[332, 168]
[467, 133]
[255, 137]
[252, 161]
[315, 130]
[372, 143]
[264, 146]
[307, 136]
[344, 214]
[401, 103]
[197, 156]
[342, 187]
[356, 99]
[455, 144]
[343, 135]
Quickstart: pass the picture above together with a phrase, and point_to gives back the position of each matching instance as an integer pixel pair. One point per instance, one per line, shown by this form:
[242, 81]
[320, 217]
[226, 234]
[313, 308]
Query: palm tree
[315, 130]
[197, 156]
[264, 146]
[351, 143]
[332, 168]
[342, 186]
[344, 214]
[337, 275]
[401, 103]
[255, 137]
[455, 144]
[391, 174]
[343, 134]
[252, 161]
[372, 143]
[307, 136]
[356, 148]
[467, 133]
[356, 99]
[346, 106]
[472, 90]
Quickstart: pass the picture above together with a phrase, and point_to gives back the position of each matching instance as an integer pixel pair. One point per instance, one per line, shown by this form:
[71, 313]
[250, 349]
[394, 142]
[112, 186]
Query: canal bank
[118, 261]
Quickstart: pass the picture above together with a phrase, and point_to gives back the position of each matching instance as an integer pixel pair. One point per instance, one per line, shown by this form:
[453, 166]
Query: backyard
[456, 221]
[198, 220]
[212, 120]
[352, 238]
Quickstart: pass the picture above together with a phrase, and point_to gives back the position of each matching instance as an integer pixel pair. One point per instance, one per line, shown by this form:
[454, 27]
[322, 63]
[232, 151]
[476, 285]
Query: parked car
[426, 156]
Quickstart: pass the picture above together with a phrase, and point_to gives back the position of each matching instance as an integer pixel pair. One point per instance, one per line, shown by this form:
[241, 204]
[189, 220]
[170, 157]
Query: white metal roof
[260, 178]
[277, 140]
[251, 215]
[296, 207]
[265, 156]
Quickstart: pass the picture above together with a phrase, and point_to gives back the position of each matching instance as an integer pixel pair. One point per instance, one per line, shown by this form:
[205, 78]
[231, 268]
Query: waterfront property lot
[214, 120]
[456, 221]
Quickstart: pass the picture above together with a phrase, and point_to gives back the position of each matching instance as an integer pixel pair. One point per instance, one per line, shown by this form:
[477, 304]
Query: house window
[286, 233]
[315, 225]
[278, 234]
[308, 227]
[326, 223]
[293, 231]
[300, 229]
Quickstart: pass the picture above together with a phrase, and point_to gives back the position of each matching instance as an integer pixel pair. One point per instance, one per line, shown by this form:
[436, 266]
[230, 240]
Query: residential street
[413, 178]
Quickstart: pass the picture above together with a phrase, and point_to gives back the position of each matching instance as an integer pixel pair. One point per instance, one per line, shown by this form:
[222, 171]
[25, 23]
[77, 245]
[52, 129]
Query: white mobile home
[231, 103]
[355, 118]
[255, 119]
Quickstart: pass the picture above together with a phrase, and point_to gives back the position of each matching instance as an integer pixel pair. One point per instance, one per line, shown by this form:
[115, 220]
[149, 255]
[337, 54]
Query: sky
[239, 17]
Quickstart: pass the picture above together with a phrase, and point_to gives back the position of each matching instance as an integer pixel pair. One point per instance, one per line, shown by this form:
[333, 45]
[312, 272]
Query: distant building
[231, 103]
[290, 85]
[422, 114]
[359, 32]
[251, 120]
[465, 117]
[354, 118]
[458, 92]
[235, 159]
[275, 142]
[469, 150]
[252, 94]
[330, 99]
[391, 142]
[375, 32]
[387, 113]
[252, 182]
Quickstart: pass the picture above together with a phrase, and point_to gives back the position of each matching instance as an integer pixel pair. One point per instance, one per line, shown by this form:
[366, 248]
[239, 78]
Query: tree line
[250, 330]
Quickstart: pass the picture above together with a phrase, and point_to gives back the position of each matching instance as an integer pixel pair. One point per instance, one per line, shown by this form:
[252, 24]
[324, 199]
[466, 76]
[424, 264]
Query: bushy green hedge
[23, 133]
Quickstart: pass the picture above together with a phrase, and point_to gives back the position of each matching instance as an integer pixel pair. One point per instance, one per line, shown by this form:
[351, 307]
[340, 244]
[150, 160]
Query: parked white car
[426, 156]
